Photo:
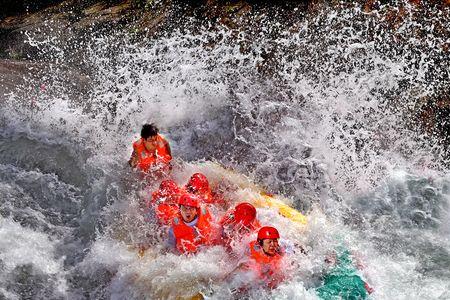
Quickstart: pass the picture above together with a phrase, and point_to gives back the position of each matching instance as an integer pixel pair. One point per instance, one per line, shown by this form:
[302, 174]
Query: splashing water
[320, 114]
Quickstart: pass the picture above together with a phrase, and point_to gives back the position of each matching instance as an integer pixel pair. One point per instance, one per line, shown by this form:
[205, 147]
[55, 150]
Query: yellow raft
[257, 196]
[268, 201]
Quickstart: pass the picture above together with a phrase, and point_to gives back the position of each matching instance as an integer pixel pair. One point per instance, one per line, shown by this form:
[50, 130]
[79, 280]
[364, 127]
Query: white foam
[25, 246]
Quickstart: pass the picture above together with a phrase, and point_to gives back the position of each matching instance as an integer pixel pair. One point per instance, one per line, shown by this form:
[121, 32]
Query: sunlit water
[324, 122]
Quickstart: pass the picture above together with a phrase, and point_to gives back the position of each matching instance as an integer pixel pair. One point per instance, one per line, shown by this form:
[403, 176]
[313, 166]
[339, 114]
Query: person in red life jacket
[198, 184]
[192, 228]
[266, 257]
[238, 223]
[151, 153]
[165, 201]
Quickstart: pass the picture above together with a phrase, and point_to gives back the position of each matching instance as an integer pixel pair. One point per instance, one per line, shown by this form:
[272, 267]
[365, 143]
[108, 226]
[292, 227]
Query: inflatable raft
[219, 175]
[235, 188]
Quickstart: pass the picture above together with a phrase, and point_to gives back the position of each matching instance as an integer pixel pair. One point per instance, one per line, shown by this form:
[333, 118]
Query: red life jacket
[147, 159]
[268, 268]
[188, 238]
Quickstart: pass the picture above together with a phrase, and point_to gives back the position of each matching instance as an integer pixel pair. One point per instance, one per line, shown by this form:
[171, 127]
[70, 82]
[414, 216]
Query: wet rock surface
[71, 22]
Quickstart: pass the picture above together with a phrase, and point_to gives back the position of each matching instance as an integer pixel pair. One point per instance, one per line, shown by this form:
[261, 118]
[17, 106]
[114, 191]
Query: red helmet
[244, 213]
[188, 199]
[268, 232]
[198, 183]
[168, 188]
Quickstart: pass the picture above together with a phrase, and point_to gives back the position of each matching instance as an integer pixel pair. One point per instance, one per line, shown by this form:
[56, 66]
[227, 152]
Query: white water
[323, 129]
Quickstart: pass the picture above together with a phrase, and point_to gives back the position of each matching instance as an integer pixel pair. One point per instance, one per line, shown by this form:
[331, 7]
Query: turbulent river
[321, 115]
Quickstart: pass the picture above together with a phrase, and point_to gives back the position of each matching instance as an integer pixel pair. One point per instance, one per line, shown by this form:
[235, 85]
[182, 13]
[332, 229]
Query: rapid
[322, 116]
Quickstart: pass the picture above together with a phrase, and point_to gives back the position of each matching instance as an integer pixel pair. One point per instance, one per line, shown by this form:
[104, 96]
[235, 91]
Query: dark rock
[16, 75]
[73, 21]
[16, 7]
[11, 74]
[433, 115]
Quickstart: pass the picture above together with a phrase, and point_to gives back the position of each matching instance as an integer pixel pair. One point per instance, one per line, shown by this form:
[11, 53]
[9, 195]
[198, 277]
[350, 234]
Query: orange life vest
[188, 239]
[268, 268]
[147, 159]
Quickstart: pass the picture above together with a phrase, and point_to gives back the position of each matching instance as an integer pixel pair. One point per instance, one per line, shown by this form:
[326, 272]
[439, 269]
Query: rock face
[11, 74]
[149, 17]
[71, 17]
[70, 21]
[16, 7]
[64, 20]
[152, 17]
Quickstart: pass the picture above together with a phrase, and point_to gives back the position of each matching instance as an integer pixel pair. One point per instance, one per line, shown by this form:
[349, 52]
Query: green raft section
[342, 281]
